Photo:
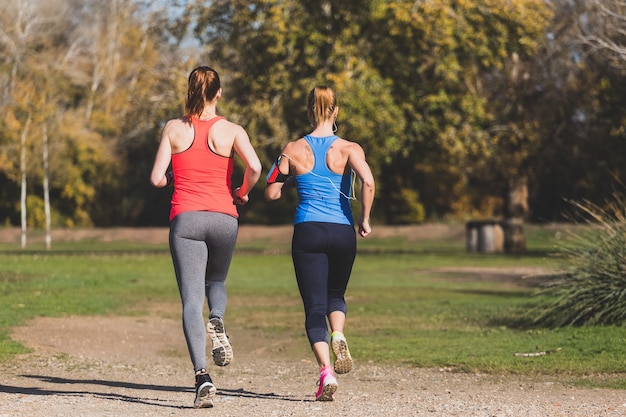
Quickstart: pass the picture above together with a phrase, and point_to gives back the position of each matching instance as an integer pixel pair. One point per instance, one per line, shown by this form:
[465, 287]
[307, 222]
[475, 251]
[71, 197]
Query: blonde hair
[202, 87]
[321, 104]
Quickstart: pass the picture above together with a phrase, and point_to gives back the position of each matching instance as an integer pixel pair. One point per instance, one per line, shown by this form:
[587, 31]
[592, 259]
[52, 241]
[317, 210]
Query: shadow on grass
[523, 318]
[116, 248]
[87, 251]
[518, 287]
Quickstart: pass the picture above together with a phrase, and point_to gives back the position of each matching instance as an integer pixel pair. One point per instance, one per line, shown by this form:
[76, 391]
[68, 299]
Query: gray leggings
[202, 245]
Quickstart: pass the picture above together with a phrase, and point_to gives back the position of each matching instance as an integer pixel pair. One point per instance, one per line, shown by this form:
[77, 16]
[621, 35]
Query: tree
[46, 184]
[101, 76]
[581, 156]
[601, 25]
[461, 106]
[441, 56]
[19, 96]
[271, 54]
[23, 138]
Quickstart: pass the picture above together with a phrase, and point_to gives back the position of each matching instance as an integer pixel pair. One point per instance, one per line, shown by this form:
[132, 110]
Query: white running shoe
[221, 348]
[343, 360]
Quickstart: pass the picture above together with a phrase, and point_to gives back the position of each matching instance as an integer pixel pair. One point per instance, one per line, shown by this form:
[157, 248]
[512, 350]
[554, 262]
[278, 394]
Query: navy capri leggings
[323, 255]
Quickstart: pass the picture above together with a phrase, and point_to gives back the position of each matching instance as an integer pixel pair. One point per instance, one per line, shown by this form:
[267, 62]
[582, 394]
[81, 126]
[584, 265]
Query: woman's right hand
[238, 198]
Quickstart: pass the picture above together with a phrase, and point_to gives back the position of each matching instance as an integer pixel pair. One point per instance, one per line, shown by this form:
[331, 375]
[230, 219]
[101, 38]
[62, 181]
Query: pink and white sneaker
[327, 385]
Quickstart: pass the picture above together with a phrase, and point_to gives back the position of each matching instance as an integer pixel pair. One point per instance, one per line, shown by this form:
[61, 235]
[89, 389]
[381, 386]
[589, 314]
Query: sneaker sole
[221, 349]
[328, 392]
[344, 361]
[204, 399]
[220, 356]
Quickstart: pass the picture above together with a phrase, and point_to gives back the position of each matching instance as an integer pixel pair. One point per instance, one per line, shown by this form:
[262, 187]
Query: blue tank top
[323, 196]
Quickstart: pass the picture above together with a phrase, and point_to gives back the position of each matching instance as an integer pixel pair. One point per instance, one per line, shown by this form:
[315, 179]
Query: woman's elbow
[156, 183]
[257, 169]
[368, 184]
[272, 194]
[254, 170]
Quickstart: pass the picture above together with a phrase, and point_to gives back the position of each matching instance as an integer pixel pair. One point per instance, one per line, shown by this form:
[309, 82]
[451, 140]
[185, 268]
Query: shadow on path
[155, 401]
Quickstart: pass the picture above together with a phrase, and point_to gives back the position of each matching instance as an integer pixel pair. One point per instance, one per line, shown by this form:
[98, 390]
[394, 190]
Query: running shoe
[343, 360]
[327, 385]
[221, 349]
[205, 391]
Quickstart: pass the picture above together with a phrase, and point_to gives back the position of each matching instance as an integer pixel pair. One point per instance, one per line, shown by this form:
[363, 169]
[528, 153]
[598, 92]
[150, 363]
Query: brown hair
[321, 104]
[202, 87]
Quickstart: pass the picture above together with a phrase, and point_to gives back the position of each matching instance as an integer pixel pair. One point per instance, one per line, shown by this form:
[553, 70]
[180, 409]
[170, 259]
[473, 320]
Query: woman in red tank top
[203, 217]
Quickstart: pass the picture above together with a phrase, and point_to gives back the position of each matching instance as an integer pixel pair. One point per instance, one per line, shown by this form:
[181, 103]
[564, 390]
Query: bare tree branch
[603, 28]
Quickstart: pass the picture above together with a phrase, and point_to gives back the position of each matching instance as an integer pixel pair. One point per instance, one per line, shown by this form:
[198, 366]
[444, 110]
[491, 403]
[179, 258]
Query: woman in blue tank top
[323, 168]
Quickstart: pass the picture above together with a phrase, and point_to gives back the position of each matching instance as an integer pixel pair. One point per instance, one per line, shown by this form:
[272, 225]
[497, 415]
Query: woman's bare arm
[356, 160]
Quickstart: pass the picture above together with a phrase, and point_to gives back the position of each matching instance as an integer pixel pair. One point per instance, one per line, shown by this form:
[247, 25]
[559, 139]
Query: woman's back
[302, 158]
[323, 194]
[202, 177]
[221, 137]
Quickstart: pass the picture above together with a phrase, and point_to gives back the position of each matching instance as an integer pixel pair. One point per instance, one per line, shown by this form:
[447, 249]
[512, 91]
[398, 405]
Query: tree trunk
[516, 210]
[46, 188]
[23, 179]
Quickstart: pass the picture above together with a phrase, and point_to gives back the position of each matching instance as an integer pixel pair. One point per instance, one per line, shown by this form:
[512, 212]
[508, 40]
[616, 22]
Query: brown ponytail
[202, 87]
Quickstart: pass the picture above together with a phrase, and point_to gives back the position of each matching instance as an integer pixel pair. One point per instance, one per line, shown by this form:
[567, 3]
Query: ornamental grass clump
[592, 288]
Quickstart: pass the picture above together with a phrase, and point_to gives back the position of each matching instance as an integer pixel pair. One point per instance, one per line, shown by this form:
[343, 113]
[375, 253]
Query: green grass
[410, 303]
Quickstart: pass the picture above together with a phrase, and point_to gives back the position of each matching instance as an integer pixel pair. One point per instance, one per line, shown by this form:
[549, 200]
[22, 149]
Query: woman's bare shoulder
[228, 127]
[296, 145]
[178, 123]
[179, 132]
[348, 146]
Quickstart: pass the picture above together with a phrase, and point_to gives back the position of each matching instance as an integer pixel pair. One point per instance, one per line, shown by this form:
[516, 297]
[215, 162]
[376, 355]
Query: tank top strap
[201, 129]
[320, 146]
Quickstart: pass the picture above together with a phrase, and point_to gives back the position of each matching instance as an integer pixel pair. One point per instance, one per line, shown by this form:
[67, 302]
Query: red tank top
[202, 179]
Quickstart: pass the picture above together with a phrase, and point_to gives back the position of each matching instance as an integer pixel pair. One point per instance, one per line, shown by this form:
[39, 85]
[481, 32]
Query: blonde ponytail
[321, 105]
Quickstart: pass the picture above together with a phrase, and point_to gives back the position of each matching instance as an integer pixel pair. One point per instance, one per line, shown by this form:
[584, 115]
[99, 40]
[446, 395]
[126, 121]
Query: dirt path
[138, 366]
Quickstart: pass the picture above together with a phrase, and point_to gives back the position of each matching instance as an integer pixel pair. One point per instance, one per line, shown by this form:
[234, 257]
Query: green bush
[592, 288]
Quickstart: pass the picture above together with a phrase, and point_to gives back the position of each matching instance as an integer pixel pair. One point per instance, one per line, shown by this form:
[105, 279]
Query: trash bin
[485, 236]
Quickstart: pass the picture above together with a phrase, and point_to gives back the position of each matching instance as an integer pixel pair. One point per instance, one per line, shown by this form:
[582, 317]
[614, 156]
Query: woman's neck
[208, 113]
[323, 130]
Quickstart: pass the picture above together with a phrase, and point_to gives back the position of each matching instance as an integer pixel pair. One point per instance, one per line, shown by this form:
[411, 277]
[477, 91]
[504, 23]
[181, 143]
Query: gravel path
[138, 366]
